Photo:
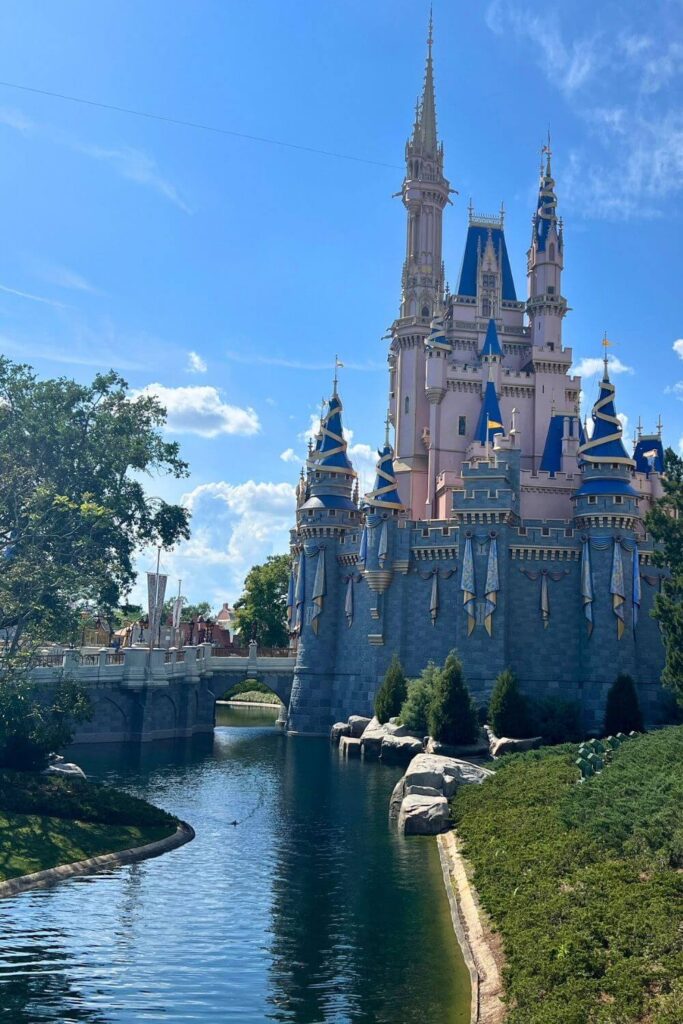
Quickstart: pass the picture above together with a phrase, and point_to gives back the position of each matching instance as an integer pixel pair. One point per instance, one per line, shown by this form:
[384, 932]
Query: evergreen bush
[622, 713]
[392, 693]
[557, 721]
[452, 714]
[415, 710]
[508, 708]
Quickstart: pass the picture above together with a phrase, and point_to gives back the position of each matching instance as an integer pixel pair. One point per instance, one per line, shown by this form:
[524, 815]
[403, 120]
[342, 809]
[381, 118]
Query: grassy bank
[46, 821]
[256, 697]
[584, 881]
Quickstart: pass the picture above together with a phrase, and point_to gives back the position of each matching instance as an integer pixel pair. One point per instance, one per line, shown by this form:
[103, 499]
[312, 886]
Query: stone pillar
[134, 667]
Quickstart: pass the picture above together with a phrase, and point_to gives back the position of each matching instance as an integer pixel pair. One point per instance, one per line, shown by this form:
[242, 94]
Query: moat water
[310, 910]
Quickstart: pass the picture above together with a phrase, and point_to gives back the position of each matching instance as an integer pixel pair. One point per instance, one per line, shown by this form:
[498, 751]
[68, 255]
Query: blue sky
[134, 243]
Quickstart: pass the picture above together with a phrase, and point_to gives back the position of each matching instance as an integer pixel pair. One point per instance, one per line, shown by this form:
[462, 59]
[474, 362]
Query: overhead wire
[197, 125]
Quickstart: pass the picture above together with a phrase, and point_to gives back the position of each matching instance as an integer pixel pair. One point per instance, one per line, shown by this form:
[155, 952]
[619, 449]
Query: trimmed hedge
[584, 881]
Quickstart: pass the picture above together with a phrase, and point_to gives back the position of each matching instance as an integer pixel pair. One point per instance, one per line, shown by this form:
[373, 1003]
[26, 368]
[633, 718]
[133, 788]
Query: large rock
[349, 746]
[397, 799]
[499, 745]
[423, 815]
[71, 770]
[338, 730]
[358, 724]
[443, 773]
[479, 749]
[372, 739]
[400, 749]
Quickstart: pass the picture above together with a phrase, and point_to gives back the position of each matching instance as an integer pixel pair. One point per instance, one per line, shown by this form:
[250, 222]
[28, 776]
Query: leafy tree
[392, 693]
[622, 712]
[261, 611]
[190, 612]
[452, 714]
[665, 524]
[415, 709]
[32, 726]
[73, 507]
[508, 708]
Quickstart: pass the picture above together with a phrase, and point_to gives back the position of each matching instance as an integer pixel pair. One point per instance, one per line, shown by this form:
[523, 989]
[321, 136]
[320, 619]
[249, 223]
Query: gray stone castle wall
[339, 670]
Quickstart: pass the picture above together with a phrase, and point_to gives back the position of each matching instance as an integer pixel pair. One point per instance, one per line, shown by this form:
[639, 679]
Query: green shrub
[622, 713]
[392, 693]
[508, 708]
[246, 686]
[583, 881]
[452, 714]
[557, 721]
[32, 725]
[415, 710]
[59, 797]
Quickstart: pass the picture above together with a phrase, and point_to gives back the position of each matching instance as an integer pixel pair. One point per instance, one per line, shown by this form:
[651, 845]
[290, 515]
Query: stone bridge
[141, 694]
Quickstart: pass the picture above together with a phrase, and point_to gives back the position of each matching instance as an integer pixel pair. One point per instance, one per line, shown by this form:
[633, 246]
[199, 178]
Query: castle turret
[330, 474]
[546, 306]
[425, 193]
[606, 496]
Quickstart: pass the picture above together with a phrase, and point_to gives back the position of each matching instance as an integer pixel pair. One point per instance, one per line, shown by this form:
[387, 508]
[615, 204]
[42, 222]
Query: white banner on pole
[156, 589]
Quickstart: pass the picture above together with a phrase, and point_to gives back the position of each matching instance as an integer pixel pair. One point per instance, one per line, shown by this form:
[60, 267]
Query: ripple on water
[310, 911]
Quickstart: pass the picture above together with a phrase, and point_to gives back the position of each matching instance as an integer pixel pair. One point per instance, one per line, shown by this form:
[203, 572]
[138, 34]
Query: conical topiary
[452, 714]
[622, 712]
[415, 710]
[392, 692]
[508, 709]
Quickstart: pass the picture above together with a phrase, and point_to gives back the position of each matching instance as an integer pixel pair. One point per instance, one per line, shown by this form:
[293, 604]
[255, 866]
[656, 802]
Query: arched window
[406, 404]
[425, 311]
[551, 252]
[486, 307]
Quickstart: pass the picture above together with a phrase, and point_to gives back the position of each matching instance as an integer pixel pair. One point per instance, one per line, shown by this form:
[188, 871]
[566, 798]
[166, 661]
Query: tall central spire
[428, 104]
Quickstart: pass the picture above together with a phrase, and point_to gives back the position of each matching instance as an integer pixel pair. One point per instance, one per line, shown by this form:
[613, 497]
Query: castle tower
[546, 306]
[424, 193]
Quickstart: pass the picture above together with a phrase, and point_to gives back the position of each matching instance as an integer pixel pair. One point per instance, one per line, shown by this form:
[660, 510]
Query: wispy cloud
[130, 163]
[64, 277]
[31, 297]
[294, 364]
[625, 86]
[98, 356]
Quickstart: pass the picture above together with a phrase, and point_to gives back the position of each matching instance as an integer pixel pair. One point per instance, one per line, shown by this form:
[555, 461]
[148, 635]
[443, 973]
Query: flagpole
[177, 630]
[156, 597]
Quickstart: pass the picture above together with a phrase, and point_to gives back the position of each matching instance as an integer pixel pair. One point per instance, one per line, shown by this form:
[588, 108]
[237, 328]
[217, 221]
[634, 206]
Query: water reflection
[309, 911]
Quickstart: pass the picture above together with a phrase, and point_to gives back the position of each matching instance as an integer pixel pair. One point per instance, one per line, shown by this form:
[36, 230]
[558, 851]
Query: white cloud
[678, 347]
[289, 455]
[200, 410]
[195, 363]
[364, 459]
[590, 366]
[680, 445]
[623, 419]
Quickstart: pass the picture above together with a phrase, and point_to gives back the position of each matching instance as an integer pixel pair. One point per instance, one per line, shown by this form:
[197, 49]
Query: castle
[499, 524]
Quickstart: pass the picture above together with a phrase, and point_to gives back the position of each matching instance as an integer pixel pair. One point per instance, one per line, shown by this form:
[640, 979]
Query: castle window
[619, 499]
[489, 280]
[568, 532]
[445, 531]
[592, 499]
[425, 533]
[406, 405]
[551, 251]
[551, 289]
[522, 531]
[332, 512]
[486, 307]
[425, 311]
[462, 425]
[545, 532]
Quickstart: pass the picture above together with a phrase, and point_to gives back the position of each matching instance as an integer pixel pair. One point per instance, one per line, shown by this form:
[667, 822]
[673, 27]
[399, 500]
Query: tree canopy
[665, 524]
[261, 611]
[73, 503]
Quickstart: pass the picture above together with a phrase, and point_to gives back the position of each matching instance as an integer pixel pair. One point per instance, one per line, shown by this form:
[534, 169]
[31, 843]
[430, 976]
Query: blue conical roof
[546, 212]
[331, 453]
[491, 346]
[490, 413]
[551, 462]
[649, 454]
[385, 492]
[605, 444]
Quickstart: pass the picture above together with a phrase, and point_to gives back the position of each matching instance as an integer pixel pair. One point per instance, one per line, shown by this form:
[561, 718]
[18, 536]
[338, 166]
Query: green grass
[29, 842]
[584, 881]
[47, 820]
[256, 697]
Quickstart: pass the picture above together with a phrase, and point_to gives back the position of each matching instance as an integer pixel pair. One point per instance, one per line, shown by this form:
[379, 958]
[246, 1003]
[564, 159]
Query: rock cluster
[390, 742]
[419, 802]
[500, 745]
